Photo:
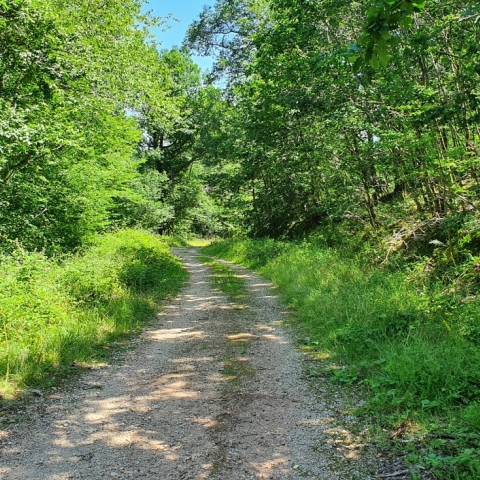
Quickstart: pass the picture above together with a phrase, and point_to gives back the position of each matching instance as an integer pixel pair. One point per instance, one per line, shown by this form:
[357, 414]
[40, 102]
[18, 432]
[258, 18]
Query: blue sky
[184, 10]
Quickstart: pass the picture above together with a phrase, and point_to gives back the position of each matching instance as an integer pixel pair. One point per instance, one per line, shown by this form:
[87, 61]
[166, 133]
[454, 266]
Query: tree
[320, 143]
[226, 31]
[67, 137]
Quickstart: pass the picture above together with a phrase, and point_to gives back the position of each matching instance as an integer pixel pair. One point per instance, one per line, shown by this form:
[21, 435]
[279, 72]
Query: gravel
[213, 389]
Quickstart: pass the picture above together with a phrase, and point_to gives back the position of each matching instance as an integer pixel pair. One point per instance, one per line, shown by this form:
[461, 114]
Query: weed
[413, 348]
[343, 375]
[54, 315]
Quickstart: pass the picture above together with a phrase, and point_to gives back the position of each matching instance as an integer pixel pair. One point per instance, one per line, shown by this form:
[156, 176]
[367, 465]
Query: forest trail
[213, 390]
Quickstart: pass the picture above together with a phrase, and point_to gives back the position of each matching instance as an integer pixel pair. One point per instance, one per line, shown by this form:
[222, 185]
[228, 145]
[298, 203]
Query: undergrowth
[413, 348]
[57, 314]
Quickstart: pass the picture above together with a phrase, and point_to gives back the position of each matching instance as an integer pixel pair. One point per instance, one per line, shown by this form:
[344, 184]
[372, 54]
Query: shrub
[52, 314]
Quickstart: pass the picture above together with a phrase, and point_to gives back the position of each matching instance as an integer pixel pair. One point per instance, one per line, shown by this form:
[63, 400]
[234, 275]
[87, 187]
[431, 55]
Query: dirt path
[214, 390]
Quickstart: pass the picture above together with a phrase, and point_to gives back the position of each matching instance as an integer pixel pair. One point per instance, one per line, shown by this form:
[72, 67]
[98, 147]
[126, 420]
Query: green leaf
[374, 61]
[357, 65]
[406, 22]
[382, 55]
[419, 5]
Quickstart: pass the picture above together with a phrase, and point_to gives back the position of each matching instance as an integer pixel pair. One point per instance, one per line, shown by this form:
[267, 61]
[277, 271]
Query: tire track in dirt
[214, 390]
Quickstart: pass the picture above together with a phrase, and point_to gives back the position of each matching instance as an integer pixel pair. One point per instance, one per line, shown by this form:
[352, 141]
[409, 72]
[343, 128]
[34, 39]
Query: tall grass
[417, 358]
[54, 314]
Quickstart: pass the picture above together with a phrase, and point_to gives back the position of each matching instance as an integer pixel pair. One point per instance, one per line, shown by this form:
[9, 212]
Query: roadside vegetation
[57, 316]
[412, 346]
[346, 134]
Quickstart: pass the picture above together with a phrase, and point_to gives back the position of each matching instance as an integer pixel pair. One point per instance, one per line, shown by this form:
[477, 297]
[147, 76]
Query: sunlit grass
[55, 317]
[416, 361]
[225, 279]
[198, 242]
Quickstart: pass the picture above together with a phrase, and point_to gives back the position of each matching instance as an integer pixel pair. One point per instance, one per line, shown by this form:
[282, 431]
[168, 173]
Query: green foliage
[380, 31]
[71, 116]
[181, 143]
[225, 30]
[252, 253]
[315, 144]
[141, 206]
[53, 314]
[415, 357]
[58, 207]
[471, 416]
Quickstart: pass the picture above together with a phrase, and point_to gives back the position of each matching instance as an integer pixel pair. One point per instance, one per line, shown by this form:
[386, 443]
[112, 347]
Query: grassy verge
[179, 241]
[418, 360]
[55, 315]
[198, 242]
[174, 240]
[225, 280]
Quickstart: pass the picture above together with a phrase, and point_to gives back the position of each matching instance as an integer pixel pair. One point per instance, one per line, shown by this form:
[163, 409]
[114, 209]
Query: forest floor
[212, 389]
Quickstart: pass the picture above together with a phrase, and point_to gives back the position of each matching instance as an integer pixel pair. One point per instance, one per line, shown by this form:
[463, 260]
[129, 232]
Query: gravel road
[213, 389]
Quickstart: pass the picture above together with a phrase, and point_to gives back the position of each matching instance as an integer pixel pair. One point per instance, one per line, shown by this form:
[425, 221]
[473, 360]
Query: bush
[54, 314]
